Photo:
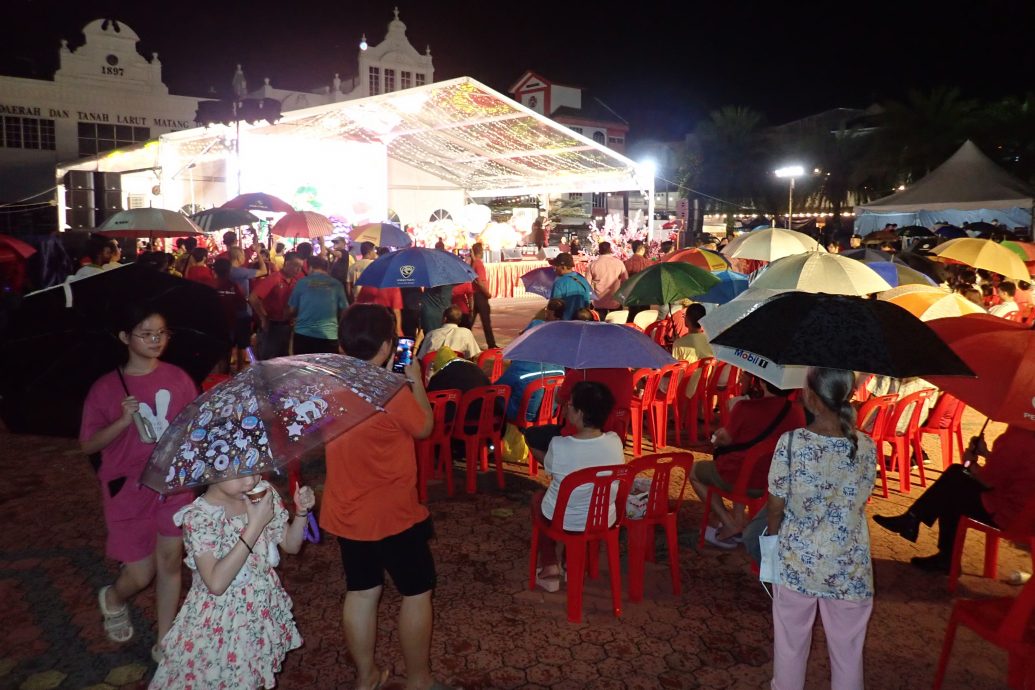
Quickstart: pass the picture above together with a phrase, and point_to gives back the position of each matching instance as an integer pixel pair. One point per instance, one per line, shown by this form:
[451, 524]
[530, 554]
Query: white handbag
[769, 545]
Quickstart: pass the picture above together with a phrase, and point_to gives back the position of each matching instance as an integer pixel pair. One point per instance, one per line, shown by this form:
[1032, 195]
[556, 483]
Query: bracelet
[241, 537]
[302, 515]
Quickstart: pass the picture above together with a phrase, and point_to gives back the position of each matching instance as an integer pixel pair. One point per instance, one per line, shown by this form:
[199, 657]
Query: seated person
[692, 345]
[449, 371]
[585, 314]
[618, 381]
[994, 494]
[519, 375]
[452, 335]
[752, 422]
[589, 446]
[553, 311]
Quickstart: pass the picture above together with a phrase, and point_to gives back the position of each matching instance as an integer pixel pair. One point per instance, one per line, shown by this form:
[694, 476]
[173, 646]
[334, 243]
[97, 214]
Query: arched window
[599, 137]
[441, 214]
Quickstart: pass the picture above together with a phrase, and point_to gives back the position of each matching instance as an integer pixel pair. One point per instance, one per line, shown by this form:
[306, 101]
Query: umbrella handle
[312, 530]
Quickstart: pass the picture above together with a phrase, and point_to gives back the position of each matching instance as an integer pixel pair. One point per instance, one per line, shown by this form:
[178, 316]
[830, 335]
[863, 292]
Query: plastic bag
[515, 449]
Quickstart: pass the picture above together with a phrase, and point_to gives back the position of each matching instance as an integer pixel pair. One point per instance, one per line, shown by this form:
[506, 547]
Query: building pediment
[110, 60]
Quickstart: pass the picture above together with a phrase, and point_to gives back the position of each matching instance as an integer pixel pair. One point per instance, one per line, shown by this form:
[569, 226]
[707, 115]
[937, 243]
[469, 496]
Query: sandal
[117, 625]
[550, 583]
[711, 536]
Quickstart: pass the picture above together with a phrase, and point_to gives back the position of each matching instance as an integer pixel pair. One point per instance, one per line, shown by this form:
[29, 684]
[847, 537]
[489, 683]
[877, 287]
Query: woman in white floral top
[819, 481]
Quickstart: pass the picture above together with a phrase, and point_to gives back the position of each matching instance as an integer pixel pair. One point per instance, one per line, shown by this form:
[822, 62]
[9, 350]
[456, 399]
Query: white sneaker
[710, 537]
[550, 583]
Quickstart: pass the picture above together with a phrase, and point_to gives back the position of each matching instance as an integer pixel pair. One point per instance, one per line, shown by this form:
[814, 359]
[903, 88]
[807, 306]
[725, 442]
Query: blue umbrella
[588, 345]
[416, 267]
[898, 273]
[951, 232]
[540, 281]
[732, 284]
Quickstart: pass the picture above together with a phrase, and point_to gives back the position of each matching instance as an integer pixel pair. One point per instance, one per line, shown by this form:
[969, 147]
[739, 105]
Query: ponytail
[834, 388]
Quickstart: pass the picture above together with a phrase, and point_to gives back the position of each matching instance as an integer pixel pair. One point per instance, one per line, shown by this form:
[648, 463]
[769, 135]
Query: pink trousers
[844, 623]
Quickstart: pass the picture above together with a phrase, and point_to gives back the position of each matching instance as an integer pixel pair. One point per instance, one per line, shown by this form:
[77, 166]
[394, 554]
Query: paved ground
[490, 631]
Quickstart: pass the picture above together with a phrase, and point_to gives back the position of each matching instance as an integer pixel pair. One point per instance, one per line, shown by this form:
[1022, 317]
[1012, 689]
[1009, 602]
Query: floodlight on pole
[649, 170]
[790, 172]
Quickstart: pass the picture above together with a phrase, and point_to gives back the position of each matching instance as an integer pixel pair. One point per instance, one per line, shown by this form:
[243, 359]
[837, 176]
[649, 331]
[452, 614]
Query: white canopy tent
[968, 187]
[414, 151]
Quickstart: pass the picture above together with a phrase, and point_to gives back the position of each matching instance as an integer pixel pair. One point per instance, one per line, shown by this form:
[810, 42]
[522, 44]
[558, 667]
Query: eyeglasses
[153, 336]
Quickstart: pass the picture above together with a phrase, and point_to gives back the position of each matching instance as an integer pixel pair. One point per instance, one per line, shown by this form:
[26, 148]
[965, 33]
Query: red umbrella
[304, 224]
[257, 201]
[1002, 354]
[12, 248]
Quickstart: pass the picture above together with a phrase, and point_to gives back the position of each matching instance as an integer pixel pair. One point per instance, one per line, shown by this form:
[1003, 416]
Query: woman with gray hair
[819, 480]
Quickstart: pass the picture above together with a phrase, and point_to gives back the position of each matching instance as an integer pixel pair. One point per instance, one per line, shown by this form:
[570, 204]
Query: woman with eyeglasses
[124, 415]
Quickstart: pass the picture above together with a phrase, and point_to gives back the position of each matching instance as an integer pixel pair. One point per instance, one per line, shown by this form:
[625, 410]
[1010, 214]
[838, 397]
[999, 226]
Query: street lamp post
[790, 172]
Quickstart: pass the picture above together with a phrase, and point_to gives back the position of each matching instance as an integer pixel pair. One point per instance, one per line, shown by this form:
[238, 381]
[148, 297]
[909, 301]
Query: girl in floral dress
[235, 626]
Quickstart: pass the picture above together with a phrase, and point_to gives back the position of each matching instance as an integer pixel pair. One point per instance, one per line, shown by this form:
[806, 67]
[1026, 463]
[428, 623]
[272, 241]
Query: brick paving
[490, 631]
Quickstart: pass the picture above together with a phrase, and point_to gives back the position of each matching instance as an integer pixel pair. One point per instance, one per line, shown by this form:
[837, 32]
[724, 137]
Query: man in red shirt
[269, 301]
[482, 295]
[633, 265]
[386, 297]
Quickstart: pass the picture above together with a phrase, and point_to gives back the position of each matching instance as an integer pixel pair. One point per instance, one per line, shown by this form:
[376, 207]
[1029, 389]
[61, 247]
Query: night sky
[662, 65]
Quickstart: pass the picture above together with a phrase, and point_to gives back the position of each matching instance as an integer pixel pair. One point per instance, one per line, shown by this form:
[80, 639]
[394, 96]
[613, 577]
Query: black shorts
[242, 336]
[406, 556]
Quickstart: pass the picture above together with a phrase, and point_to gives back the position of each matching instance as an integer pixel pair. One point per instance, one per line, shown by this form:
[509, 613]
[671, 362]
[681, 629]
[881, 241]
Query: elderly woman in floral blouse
[819, 480]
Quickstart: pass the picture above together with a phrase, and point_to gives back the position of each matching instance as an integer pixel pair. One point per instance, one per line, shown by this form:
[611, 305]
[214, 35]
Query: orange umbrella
[1002, 354]
[702, 258]
[928, 306]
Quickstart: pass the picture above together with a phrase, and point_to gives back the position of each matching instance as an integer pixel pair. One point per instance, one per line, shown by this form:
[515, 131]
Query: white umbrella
[821, 272]
[784, 377]
[771, 244]
[148, 222]
[724, 316]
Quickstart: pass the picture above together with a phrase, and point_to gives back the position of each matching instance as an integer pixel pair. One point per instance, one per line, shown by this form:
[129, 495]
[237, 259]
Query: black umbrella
[980, 226]
[914, 231]
[54, 352]
[925, 262]
[842, 332]
[865, 254]
[215, 219]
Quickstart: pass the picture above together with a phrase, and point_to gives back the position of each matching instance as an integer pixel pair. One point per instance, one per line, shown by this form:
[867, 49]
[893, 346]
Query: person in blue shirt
[570, 286]
[519, 375]
[317, 303]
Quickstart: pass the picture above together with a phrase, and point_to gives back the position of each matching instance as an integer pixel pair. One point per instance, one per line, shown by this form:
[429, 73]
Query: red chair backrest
[716, 376]
[873, 415]
[674, 373]
[862, 393]
[944, 412]
[1015, 624]
[660, 332]
[1015, 316]
[425, 362]
[649, 378]
[760, 452]
[913, 405]
[489, 405]
[547, 414]
[659, 502]
[444, 406]
[602, 478]
[688, 373]
[493, 355]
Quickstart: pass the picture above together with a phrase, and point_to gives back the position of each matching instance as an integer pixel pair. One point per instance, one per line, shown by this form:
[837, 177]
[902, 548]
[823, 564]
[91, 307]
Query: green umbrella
[665, 283]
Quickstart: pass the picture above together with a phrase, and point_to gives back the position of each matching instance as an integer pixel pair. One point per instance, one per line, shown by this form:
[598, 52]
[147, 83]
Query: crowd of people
[816, 468]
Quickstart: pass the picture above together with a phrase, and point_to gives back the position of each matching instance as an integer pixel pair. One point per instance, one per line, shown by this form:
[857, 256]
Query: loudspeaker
[108, 204]
[110, 182]
[80, 218]
[548, 253]
[512, 254]
[79, 198]
[78, 179]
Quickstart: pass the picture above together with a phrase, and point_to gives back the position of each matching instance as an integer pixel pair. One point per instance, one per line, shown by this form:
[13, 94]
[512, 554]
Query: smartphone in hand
[403, 355]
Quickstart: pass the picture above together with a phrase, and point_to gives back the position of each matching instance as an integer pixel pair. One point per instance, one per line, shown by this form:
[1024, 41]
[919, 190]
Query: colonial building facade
[105, 95]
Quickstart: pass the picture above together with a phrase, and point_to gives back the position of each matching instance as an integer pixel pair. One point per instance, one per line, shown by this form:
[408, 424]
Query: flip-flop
[384, 675]
[117, 625]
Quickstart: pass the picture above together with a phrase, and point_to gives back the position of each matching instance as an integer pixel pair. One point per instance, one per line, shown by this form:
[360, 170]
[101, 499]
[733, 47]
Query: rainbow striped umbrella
[702, 258]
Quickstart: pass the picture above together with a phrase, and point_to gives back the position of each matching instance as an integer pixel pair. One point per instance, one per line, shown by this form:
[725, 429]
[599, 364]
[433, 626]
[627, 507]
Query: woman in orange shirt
[370, 503]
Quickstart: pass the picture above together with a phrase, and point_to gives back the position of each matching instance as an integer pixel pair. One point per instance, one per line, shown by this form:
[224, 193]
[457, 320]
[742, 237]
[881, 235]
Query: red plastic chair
[644, 404]
[666, 400]
[213, 380]
[946, 420]
[1015, 316]
[872, 421]
[1003, 621]
[711, 394]
[548, 410]
[601, 480]
[444, 406]
[660, 332]
[862, 393]
[481, 429]
[691, 404]
[425, 363]
[725, 393]
[760, 452]
[1022, 529]
[494, 356]
[907, 444]
[661, 510]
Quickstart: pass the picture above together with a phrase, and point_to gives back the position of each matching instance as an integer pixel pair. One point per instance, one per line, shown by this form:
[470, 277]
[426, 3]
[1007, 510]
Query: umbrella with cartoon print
[264, 418]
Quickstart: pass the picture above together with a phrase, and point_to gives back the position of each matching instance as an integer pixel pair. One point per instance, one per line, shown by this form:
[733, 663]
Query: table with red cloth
[505, 276]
